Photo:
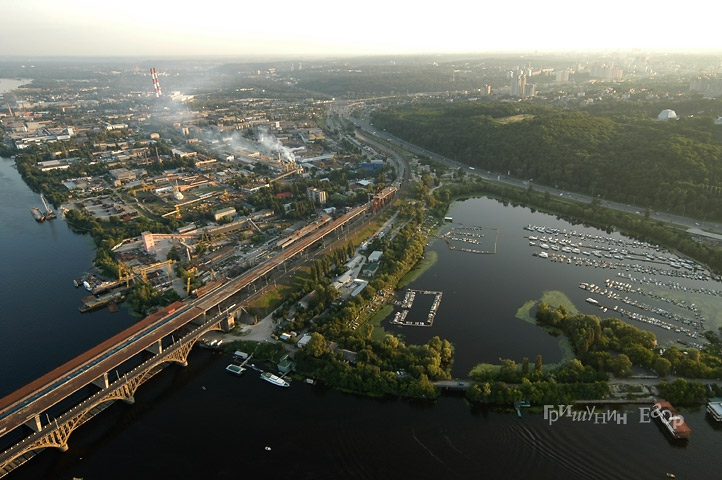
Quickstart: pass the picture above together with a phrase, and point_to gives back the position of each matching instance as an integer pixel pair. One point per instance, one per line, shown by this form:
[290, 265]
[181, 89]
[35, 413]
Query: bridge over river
[45, 412]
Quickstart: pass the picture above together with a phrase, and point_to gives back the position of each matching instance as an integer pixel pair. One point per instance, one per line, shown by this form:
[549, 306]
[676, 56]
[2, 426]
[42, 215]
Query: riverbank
[427, 261]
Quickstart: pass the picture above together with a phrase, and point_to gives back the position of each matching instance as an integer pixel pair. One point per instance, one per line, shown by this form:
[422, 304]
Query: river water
[7, 84]
[199, 422]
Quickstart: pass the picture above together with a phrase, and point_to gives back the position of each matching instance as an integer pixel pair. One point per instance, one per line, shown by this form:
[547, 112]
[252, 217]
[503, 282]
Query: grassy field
[553, 298]
[378, 333]
[271, 299]
[424, 264]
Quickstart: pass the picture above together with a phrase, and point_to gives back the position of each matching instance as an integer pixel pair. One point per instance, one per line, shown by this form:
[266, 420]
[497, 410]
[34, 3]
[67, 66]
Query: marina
[615, 290]
[461, 235]
[652, 286]
[408, 302]
[566, 450]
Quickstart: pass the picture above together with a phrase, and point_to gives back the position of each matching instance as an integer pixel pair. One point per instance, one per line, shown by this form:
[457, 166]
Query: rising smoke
[273, 145]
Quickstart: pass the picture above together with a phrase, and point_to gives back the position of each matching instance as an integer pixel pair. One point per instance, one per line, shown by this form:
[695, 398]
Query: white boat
[543, 255]
[271, 378]
[592, 301]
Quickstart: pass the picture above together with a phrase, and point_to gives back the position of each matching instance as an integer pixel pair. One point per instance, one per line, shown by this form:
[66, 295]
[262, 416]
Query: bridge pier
[228, 323]
[156, 348]
[34, 423]
[102, 381]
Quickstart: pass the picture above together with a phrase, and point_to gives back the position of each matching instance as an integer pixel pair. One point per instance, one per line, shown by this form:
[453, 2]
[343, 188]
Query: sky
[296, 28]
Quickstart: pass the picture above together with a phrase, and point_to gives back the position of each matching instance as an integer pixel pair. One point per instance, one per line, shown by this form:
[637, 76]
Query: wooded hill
[618, 152]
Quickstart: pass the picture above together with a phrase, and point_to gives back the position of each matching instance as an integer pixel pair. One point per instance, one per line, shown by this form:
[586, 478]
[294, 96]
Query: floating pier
[408, 302]
[468, 235]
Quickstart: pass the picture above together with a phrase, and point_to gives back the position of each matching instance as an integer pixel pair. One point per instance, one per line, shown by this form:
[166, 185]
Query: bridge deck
[39, 395]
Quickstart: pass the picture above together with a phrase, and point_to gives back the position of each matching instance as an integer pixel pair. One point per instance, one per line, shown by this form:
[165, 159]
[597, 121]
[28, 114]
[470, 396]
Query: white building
[667, 114]
[316, 195]
[375, 256]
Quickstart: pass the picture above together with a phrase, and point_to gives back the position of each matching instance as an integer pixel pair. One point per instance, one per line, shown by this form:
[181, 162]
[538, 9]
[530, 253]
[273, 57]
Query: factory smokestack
[156, 85]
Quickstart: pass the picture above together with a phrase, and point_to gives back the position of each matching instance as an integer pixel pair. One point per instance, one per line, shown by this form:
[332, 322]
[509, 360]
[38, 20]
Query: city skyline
[85, 28]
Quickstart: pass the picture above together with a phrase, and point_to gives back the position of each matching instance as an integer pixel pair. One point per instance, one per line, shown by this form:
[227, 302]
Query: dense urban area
[188, 174]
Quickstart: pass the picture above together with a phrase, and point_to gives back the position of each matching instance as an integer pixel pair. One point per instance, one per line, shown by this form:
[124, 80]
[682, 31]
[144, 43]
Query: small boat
[271, 378]
[592, 301]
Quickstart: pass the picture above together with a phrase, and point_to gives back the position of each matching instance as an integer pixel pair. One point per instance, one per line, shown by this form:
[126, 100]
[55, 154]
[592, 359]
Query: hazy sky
[297, 28]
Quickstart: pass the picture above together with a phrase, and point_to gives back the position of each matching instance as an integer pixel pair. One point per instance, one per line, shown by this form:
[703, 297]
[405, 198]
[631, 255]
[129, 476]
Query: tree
[316, 345]
[508, 371]
[525, 366]
[538, 364]
[662, 366]
[622, 366]
[682, 392]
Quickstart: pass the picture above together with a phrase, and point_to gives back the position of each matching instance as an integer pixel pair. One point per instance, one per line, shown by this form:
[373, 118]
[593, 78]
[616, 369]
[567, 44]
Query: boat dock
[407, 304]
[41, 216]
[691, 327]
[245, 360]
[519, 404]
[462, 235]
[91, 302]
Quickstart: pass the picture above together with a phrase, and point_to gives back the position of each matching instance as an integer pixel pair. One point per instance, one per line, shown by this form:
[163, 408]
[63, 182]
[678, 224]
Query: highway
[709, 229]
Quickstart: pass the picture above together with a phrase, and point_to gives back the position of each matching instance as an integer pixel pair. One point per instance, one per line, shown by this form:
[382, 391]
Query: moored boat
[271, 378]
[714, 408]
[671, 420]
[37, 214]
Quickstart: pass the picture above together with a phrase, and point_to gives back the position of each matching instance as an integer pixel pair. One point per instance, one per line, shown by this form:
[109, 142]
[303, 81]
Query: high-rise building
[518, 84]
[316, 195]
[562, 76]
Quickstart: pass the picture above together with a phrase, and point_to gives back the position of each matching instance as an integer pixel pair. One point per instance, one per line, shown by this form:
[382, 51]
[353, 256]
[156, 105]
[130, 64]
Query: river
[200, 422]
[8, 84]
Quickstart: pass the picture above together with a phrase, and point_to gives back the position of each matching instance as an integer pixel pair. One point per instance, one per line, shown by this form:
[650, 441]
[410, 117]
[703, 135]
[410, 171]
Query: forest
[380, 367]
[612, 345]
[618, 152]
